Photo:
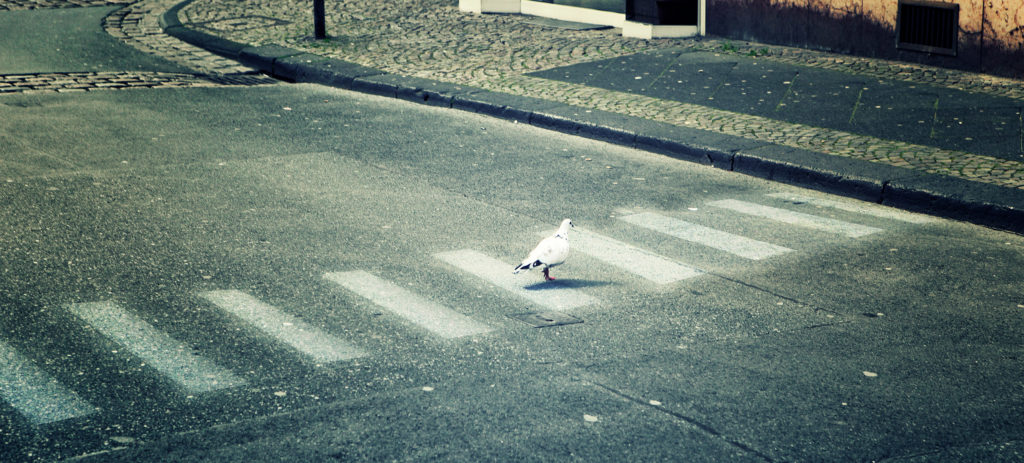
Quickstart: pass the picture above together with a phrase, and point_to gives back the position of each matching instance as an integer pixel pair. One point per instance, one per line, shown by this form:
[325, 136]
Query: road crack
[706, 428]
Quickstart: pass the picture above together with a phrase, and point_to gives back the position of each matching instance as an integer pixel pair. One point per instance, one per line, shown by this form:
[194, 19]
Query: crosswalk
[706, 236]
[41, 399]
[799, 219]
[434, 317]
[645, 264]
[192, 373]
[308, 340]
[499, 274]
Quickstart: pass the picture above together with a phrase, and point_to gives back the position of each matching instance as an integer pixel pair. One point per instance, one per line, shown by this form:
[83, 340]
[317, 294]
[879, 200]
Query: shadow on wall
[760, 21]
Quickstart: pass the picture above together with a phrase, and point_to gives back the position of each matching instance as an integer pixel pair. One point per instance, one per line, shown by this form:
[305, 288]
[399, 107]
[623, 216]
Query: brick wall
[991, 36]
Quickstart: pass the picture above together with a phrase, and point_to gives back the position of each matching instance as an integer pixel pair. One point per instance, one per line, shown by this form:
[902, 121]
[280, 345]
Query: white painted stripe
[170, 357]
[500, 274]
[800, 219]
[653, 267]
[307, 339]
[859, 207]
[723, 241]
[37, 396]
[436, 318]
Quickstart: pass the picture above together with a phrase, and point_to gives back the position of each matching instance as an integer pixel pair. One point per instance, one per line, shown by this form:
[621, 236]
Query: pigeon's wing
[551, 251]
[533, 259]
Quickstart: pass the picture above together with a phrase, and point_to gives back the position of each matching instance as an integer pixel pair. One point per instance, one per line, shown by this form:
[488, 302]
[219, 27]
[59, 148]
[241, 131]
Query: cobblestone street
[13, 5]
[88, 81]
[433, 39]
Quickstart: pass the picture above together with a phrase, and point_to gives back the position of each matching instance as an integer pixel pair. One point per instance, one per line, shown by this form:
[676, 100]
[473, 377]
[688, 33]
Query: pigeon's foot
[547, 276]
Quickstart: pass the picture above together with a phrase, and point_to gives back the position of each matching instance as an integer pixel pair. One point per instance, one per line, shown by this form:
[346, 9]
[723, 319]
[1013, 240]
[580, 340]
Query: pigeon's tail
[526, 266]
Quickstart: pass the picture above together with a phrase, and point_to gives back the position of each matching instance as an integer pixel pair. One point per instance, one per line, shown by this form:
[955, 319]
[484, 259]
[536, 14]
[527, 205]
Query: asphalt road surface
[68, 40]
[296, 273]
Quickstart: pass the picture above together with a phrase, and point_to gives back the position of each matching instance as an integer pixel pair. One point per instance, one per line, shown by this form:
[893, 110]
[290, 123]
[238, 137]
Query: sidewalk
[934, 140]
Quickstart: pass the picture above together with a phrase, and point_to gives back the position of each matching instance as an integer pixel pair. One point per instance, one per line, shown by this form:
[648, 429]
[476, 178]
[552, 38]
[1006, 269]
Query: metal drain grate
[931, 27]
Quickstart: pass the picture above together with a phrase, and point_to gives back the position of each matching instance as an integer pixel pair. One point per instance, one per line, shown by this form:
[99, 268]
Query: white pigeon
[551, 251]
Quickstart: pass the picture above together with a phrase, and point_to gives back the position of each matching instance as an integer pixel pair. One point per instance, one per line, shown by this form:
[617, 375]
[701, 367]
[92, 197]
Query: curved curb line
[976, 202]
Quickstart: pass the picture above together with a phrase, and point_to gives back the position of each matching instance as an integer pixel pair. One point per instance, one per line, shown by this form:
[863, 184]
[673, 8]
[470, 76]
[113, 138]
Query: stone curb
[976, 202]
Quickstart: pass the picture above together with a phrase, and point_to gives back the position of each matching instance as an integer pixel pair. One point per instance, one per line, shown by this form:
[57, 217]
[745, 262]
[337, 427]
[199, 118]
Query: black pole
[319, 28]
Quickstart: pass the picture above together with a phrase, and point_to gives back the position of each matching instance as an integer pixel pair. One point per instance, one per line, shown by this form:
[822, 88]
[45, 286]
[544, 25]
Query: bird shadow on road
[565, 283]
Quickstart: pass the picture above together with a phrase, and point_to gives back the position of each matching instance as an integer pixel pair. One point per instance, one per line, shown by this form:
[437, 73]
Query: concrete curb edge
[979, 203]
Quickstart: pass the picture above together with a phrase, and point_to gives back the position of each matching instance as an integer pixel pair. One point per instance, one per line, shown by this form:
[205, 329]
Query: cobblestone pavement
[64, 82]
[433, 39]
[47, 4]
[136, 25]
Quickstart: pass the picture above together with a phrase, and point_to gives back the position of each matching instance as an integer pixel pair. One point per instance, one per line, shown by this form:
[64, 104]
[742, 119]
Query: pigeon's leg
[546, 275]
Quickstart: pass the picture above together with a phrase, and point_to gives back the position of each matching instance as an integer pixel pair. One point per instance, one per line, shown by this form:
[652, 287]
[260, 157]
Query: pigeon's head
[565, 226]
